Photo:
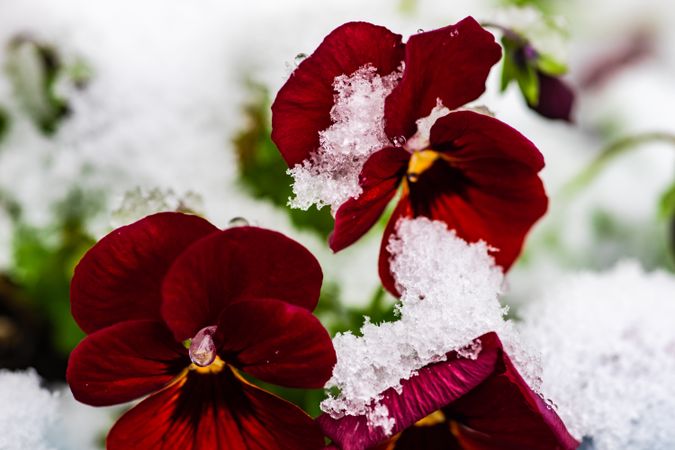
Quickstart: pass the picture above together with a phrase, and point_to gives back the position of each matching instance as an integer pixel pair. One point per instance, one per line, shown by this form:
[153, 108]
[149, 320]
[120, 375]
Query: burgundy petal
[214, 411]
[556, 98]
[434, 387]
[429, 437]
[489, 190]
[450, 64]
[123, 362]
[302, 107]
[243, 262]
[504, 413]
[120, 277]
[379, 179]
[403, 210]
[276, 342]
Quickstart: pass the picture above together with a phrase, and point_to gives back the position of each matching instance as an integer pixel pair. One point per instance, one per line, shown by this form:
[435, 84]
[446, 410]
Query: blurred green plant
[44, 259]
[4, 123]
[262, 170]
[35, 70]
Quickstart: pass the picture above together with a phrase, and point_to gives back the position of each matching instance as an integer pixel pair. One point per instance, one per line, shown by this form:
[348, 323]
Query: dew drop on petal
[202, 348]
[237, 222]
[454, 33]
[399, 141]
[420, 30]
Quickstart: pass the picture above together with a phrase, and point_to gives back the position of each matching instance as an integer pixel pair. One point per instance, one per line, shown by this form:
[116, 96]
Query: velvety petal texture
[146, 288]
[276, 342]
[237, 263]
[123, 362]
[302, 107]
[120, 277]
[485, 404]
[214, 411]
[450, 64]
[486, 185]
[380, 177]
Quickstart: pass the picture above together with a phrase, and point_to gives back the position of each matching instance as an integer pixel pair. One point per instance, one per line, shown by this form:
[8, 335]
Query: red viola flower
[460, 404]
[469, 170]
[175, 308]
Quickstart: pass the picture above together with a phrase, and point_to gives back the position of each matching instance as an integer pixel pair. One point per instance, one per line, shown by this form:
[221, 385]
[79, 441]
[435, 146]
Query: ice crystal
[26, 411]
[331, 175]
[608, 352]
[449, 297]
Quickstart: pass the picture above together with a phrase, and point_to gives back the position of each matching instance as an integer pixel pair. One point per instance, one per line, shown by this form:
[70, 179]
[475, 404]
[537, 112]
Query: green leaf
[509, 66]
[550, 66]
[528, 81]
[667, 203]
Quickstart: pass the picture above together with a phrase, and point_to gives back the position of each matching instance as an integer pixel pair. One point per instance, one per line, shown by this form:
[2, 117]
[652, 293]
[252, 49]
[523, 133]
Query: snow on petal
[331, 175]
[449, 297]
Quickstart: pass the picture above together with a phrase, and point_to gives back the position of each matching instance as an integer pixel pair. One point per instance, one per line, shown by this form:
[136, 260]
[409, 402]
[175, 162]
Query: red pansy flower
[176, 308]
[460, 404]
[473, 172]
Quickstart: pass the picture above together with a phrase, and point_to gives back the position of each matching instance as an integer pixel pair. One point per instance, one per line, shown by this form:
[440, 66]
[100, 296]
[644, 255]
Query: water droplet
[202, 348]
[454, 33]
[300, 57]
[237, 222]
[420, 30]
[413, 177]
[399, 141]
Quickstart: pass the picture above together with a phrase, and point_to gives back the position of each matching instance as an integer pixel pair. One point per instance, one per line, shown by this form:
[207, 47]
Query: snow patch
[608, 352]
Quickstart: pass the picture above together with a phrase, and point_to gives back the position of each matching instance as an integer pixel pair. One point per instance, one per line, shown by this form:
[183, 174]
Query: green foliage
[548, 65]
[44, 259]
[34, 69]
[667, 203]
[515, 67]
[262, 170]
[4, 123]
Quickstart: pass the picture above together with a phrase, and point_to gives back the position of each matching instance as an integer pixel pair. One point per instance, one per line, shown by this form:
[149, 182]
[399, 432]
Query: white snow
[26, 411]
[608, 349]
[449, 297]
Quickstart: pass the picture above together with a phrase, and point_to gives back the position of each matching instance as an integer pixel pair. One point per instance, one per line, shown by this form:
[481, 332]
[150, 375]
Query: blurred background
[112, 110]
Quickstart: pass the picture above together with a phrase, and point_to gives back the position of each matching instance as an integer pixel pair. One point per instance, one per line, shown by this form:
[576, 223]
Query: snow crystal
[449, 297]
[608, 353]
[331, 175]
[138, 203]
[26, 411]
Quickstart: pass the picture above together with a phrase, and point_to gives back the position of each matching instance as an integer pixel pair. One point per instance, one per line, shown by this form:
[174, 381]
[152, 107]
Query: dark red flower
[460, 404]
[473, 172]
[176, 308]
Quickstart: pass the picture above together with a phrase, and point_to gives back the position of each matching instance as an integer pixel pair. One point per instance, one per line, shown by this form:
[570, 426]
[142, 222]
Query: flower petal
[302, 107]
[450, 64]
[120, 277]
[237, 263]
[556, 98]
[434, 387]
[379, 179]
[212, 411]
[504, 413]
[489, 190]
[276, 342]
[403, 209]
[123, 362]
